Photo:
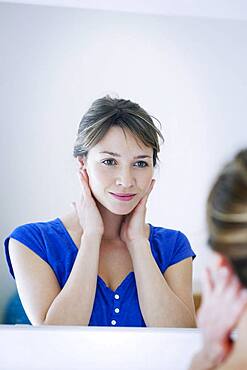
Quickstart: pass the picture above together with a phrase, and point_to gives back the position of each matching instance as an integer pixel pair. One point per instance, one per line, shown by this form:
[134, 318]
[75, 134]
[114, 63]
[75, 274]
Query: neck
[112, 223]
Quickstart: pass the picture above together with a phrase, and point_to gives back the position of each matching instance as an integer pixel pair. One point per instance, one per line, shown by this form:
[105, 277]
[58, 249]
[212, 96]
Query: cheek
[98, 177]
[145, 179]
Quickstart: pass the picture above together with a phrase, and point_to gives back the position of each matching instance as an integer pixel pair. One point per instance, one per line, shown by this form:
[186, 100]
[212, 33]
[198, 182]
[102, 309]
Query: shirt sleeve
[31, 237]
[182, 249]
[170, 247]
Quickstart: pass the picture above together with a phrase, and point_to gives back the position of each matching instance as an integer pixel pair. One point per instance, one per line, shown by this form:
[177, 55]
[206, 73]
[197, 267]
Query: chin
[117, 209]
[120, 210]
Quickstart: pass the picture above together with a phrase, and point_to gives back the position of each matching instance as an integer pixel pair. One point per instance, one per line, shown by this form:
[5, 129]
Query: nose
[125, 178]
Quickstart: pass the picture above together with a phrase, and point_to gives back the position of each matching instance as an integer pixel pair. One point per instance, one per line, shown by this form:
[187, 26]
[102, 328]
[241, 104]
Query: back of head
[227, 214]
[107, 112]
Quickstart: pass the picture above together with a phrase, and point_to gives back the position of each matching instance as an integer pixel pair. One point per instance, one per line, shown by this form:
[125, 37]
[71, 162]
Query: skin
[124, 223]
[105, 173]
[223, 306]
[112, 240]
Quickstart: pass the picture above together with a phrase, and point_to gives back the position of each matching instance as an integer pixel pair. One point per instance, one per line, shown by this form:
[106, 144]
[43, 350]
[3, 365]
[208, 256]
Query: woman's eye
[141, 164]
[112, 162]
[109, 162]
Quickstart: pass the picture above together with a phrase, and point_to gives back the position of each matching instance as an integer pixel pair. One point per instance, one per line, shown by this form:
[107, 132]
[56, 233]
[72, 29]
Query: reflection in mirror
[176, 69]
[114, 269]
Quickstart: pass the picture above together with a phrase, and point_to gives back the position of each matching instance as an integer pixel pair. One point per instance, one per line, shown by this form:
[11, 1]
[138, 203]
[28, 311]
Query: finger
[236, 290]
[150, 187]
[85, 183]
[241, 302]
[141, 206]
[143, 201]
[224, 262]
[243, 297]
[85, 174]
[223, 278]
[239, 306]
[81, 176]
[73, 205]
[207, 282]
[219, 262]
[140, 209]
[82, 183]
[86, 178]
[231, 291]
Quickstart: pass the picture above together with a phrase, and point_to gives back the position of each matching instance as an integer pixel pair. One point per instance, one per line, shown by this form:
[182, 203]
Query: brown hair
[107, 112]
[227, 214]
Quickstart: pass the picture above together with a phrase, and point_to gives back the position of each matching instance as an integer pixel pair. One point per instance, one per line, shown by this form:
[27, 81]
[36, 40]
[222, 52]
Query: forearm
[73, 305]
[159, 304]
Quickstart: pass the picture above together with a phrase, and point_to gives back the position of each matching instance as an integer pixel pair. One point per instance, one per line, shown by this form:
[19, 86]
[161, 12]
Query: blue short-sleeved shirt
[52, 242]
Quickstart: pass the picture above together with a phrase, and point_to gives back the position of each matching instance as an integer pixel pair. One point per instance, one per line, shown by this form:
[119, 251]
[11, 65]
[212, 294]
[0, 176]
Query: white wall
[231, 9]
[189, 72]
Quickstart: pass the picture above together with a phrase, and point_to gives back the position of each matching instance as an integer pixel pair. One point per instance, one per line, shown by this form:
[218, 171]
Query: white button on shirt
[116, 296]
[117, 310]
[113, 322]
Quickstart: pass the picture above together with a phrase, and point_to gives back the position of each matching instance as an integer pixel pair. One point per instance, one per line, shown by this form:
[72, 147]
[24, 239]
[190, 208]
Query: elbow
[36, 320]
[190, 324]
[39, 322]
[191, 321]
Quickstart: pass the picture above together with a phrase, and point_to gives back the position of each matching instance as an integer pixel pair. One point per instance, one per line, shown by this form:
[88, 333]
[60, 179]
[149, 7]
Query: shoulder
[33, 235]
[170, 236]
[48, 240]
[35, 230]
[169, 246]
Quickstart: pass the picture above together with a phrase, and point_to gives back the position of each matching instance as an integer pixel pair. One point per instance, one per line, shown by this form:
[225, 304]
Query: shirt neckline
[120, 286]
[99, 278]
[75, 246]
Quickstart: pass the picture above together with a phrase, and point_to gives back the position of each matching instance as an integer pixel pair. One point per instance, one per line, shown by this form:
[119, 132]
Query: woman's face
[119, 165]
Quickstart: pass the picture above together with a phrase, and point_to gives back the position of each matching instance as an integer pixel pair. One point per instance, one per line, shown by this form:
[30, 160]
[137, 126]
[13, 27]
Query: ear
[81, 162]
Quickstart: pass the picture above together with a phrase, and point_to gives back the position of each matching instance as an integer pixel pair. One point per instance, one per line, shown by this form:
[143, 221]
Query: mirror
[188, 72]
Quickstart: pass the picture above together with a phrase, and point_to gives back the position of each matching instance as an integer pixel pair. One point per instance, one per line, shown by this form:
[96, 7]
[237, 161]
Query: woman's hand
[87, 210]
[133, 225]
[224, 300]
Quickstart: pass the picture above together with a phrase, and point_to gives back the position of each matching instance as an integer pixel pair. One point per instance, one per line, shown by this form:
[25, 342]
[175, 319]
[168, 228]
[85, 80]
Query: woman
[102, 264]
[224, 305]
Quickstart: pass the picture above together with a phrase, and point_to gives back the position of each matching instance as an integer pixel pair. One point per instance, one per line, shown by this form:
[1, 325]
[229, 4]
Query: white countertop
[90, 348]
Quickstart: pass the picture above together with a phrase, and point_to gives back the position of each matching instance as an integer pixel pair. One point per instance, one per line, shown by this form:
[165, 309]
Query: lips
[123, 196]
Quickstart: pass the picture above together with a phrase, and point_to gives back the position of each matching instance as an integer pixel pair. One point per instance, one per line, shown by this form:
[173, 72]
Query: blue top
[52, 242]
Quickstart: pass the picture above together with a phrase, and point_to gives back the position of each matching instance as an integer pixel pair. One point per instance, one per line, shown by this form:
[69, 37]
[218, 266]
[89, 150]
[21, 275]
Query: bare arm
[43, 299]
[170, 295]
[165, 300]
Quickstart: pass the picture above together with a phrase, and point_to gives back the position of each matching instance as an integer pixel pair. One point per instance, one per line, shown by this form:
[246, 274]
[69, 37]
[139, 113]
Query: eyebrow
[118, 155]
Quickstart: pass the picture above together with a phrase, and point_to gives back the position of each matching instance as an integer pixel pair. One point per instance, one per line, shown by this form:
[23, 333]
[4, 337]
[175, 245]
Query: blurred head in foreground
[227, 215]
